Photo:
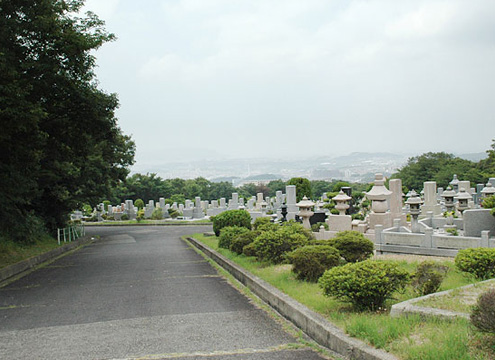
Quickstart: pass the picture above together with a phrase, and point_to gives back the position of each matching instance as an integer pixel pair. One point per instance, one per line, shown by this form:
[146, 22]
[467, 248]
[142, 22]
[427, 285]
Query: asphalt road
[138, 292]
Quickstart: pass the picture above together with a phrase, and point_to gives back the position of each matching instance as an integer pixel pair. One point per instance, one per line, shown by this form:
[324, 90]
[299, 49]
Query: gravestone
[198, 210]
[431, 202]
[292, 208]
[478, 220]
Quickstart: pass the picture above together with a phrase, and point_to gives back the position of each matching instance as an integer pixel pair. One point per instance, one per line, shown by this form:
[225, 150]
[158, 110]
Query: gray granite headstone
[478, 220]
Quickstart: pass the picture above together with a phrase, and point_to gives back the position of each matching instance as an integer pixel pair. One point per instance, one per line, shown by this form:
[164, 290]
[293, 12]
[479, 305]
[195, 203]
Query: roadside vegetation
[409, 337]
[13, 252]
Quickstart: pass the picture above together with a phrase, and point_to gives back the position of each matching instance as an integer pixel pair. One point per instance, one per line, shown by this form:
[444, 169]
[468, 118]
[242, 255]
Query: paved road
[138, 292]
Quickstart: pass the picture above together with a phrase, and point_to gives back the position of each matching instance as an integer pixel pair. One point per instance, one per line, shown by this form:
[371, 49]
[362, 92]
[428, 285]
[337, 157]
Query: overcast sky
[286, 78]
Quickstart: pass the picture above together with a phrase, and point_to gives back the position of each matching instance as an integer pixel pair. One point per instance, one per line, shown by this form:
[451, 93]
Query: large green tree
[303, 187]
[439, 167]
[60, 144]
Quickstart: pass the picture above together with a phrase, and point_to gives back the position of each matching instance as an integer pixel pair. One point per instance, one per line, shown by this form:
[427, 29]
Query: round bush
[157, 214]
[353, 246]
[267, 227]
[483, 313]
[367, 284]
[272, 246]
[249, 249]
[428, 277]
[477, 261]
[296, 228]
[310, 261]
[228, 233]
[239, 218]
[261, 221]
[240, 241]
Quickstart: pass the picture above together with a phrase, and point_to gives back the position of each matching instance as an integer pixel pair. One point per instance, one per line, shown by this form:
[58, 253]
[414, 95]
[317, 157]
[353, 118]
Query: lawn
[11, 252]
[408, 338]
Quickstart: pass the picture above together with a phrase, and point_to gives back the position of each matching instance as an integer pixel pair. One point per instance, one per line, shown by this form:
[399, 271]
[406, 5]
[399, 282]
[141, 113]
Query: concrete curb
[137, 224]
[313, 324]
[15, 269]
[408, 307]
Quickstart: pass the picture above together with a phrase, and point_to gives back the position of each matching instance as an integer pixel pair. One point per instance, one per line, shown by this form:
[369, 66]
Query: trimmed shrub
[173, 213]
[353, 246]
[249, 250]
[240, 241]
[261, 221]
[124, 217]
[483, 313]
[157, 214]
[428, 277]
[267, 227]
[311, 261]
[228, 233]
[139, 203]
[140, 215]
[297, 228]
[316, 227]
[272, 246]
[477, 261]
[239, 218]
[366, 285]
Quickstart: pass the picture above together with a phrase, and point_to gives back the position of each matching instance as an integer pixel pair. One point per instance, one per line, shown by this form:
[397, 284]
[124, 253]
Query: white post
[58, 236]
[64, 236]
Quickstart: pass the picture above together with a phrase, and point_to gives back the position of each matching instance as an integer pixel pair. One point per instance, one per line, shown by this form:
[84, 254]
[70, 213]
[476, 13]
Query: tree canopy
[441, 167]
[60, 144]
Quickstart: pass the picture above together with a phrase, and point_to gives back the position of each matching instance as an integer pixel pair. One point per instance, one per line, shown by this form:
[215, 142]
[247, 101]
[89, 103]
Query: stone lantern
[414, 202]
[488, 190]
[379, 195]
[305, 211]
[463, 198]
[283, 212]
[448, 196]
[455, 183]
[263, 205]
[342, 202]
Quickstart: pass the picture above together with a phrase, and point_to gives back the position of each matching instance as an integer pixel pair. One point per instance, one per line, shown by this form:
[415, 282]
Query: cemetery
[435, 221]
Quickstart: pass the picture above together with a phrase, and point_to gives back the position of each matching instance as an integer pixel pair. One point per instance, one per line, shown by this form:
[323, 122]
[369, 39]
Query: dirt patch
[411, 258]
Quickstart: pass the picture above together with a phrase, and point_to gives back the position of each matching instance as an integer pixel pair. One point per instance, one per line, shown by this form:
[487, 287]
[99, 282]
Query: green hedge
[366, 285]
[231, 218]
[229, 233]
[477, 261]
[310, 261]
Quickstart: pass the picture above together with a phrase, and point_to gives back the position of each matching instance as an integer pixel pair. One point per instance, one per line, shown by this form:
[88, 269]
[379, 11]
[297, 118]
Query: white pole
[58, 236]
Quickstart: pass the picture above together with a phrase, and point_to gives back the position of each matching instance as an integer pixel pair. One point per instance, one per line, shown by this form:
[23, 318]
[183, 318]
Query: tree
[439, 167]
[274, 186]
[60, 143]
[303, 187]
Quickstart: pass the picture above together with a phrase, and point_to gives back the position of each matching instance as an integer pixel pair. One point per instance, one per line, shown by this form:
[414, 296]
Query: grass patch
[459, 300]
[407, 337]
[11, 252]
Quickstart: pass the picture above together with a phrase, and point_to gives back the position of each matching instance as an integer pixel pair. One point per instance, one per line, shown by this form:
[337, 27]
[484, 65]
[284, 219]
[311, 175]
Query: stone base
[339, 222]
[187, 213]
[437, 209]
[380, 219]
[198, 213]
[402, 217]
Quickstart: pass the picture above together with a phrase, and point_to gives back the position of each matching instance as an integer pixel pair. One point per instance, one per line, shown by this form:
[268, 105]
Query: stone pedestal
[339, 222]
[384, 219]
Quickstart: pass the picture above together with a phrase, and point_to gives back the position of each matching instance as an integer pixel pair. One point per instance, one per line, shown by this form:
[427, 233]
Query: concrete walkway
[139, 292]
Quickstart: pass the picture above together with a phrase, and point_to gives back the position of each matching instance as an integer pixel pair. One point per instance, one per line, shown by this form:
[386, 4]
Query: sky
[223, 79]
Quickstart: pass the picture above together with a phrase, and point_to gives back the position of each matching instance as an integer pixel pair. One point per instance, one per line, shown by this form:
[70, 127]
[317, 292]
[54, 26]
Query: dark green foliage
[303, 187]
[228, 233]
[60, 145]
[261, 221]
[173, 213]
[477, 261]
[272, 246]
[428, 277]
[353, 246]
[231, 218]
[367, 284]
[240, 241]
[483, 313]
[310, 261]
[125, 217]
[249, 250]
[267, 227]
[438, 167]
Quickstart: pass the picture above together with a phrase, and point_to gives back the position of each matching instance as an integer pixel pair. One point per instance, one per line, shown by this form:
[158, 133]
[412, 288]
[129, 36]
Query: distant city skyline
[289, 79]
